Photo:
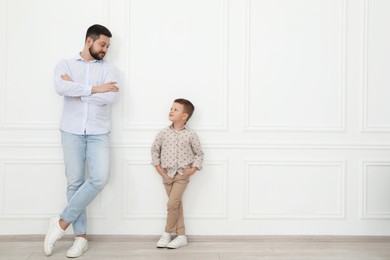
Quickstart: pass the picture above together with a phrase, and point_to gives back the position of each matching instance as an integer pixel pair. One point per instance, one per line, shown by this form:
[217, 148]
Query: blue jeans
[82, 189]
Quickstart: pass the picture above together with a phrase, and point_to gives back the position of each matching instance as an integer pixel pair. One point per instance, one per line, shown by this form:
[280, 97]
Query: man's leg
[74, 147]
[98, 160]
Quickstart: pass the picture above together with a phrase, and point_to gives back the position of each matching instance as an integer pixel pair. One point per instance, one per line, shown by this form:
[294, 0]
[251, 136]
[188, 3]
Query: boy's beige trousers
[175, 188]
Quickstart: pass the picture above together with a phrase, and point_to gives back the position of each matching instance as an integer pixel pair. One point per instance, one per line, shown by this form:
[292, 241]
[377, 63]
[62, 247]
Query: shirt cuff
[88, 91]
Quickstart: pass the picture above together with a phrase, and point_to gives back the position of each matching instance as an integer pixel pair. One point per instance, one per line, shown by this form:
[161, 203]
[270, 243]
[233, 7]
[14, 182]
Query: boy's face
[177, 113]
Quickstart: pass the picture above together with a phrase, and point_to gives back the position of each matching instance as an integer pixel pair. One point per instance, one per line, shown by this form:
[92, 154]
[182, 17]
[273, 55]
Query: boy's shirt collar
[173, 129]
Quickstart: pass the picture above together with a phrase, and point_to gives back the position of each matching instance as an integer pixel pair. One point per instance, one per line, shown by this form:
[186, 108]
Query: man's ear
[89, 42]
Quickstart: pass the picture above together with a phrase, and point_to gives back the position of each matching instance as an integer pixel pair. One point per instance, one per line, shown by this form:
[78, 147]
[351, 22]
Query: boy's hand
[190, 171]
[160, 170]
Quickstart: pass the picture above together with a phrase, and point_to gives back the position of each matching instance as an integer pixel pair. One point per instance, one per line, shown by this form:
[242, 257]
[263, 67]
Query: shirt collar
[173, 129]
[79, 58]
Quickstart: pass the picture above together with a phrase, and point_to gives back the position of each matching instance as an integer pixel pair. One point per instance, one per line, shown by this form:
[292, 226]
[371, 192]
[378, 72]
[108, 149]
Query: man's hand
[107, 87]
[66, 77]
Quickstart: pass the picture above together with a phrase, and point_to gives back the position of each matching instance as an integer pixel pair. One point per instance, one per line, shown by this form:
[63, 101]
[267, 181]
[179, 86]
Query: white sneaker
[164, 240]
[179, 241]
[54, 233]
[80, 245]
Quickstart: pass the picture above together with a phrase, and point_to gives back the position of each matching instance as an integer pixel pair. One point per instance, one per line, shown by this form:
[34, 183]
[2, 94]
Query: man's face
[99, 47]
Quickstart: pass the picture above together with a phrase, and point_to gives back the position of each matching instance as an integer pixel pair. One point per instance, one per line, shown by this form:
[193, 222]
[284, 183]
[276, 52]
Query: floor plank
[206, 250]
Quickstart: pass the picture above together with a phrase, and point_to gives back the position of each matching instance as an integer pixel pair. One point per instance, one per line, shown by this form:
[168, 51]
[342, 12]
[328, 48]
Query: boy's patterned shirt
[177, 150]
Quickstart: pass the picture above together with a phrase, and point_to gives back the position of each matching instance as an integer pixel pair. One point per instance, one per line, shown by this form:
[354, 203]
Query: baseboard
[210, 238]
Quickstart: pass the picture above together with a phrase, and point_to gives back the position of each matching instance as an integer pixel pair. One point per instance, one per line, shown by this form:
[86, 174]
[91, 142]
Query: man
[89, 85]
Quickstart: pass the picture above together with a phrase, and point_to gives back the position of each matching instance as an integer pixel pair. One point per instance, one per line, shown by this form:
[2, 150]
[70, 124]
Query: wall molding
[28, 215]
[309, 162]
[364, 212]
[224, 145]
[341, 127]
[134, 126]
[3, 163]
[365, 127]
[162, 215]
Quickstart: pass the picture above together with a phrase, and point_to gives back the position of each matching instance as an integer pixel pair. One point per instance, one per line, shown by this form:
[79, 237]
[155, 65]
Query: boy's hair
[96, 30]
[188, 106]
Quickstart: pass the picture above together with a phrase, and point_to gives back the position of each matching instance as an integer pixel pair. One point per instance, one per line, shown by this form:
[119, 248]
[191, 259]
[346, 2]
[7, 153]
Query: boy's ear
[185, 116]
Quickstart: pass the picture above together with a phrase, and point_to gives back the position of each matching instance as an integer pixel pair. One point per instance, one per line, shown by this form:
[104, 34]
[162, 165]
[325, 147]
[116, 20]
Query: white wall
[292, 108]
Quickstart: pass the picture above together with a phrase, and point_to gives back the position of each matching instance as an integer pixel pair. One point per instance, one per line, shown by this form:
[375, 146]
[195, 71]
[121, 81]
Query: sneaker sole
[76, 255]
[175, 247]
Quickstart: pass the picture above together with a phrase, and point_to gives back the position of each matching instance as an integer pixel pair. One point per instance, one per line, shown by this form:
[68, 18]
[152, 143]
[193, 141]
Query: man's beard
[95, 54]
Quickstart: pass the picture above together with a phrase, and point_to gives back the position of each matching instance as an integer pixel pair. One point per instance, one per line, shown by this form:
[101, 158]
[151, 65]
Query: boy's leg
[175, 189]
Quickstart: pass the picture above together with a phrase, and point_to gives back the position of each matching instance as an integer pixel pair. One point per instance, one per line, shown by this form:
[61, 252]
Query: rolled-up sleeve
[198, 152]
[156, 150]
[68, 88]
[112, 75]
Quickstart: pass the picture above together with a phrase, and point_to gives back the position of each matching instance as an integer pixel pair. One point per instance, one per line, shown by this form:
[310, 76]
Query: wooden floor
[217, 248]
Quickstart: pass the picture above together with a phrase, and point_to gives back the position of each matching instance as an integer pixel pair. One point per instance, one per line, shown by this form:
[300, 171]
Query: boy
[176, 154]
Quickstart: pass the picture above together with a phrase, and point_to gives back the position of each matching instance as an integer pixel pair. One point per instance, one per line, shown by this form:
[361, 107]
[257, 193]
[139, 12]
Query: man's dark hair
[96, 30]
[188, 106]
